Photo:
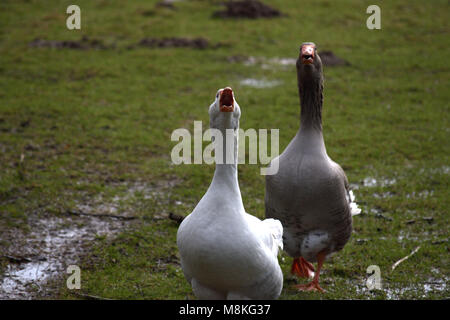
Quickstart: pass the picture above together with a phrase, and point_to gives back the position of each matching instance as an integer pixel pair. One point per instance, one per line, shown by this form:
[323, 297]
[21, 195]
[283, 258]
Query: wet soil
[85, 43]
[250, 9]
[43, 254]
[34, 262]
[328, 59]
[196, 43]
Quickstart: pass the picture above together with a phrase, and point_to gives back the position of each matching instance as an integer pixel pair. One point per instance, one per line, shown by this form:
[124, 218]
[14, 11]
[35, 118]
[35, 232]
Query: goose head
[224, 112]
[309, 65]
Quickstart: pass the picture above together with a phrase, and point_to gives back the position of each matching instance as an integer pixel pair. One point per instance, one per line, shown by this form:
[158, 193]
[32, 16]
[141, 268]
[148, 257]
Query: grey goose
[310, 193]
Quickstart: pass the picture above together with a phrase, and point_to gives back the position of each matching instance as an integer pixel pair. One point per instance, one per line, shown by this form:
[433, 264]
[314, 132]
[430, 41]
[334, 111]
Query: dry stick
[79, 213]
[90, 297]
[405, 258]
[16, 259]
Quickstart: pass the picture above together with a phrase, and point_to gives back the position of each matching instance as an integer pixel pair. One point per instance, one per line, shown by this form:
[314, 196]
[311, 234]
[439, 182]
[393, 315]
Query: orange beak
[226, 101]
[307, 54]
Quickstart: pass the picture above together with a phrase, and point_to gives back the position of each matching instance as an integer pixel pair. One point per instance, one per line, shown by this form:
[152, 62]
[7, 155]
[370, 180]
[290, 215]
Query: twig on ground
[80, 213]
[89, 297]
[16, 259]
[405, 258]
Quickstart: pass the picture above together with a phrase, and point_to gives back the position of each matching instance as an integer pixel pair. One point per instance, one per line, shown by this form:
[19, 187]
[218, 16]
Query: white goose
[225, 252]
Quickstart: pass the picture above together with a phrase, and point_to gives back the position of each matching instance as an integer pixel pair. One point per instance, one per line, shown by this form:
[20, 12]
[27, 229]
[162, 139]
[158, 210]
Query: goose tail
[276, 231]
[354, 209]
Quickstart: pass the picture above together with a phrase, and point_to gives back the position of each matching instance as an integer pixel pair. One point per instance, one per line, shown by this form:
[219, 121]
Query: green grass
[85, 120]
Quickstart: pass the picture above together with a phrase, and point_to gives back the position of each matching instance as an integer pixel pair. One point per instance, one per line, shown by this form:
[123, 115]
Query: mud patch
[249, 9]
[383, 195]
[35, 262]
[196, 43]
[168, 4]
[421, 195]
[328, 59]
[260, 83]
[53, 244]
[264, 63]
[371, 182]
[405, 290]
[85, 43]
[122, 205]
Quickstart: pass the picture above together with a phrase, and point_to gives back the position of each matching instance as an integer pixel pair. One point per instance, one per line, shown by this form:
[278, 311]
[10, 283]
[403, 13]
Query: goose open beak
[307, 53]
[226, 100]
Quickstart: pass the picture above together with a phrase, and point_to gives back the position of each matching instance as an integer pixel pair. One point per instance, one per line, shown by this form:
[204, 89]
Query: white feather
[276, 230]
[354, 209]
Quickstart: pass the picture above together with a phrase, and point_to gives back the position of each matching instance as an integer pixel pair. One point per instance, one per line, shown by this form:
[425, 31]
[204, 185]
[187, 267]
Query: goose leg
[302, 268]
[314, 284]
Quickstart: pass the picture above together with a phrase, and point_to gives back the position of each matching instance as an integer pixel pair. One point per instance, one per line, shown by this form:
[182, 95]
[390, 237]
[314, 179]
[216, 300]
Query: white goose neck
[226, 166]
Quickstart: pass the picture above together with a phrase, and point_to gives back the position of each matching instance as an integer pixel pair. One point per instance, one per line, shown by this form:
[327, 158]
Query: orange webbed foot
[312, 286]
[302, 268]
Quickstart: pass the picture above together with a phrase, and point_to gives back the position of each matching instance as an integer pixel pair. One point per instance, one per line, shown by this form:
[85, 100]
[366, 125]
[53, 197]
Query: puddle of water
[382, 182]
[54, 243]
[441, 170]
[435, 270]
[31, 272]
[422, 194]
[266, 63]
[284, 61]
[371, 182]
[399, 291]
[403, 235]
[100, 205]
[375, 210]
[434, 285]
[383, 195]
[58, 246]
[250, 61]
[277, 62]
[260, 83]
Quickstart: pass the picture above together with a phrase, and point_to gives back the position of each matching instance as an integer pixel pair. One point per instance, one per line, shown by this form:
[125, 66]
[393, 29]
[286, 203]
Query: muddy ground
[86, 43]
[36, 258]
[328, 58]
[250, 9]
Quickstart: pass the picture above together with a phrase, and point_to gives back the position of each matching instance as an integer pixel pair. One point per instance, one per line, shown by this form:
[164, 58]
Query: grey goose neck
[311, 100]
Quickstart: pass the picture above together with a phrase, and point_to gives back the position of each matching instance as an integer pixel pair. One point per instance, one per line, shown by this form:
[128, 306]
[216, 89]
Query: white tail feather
[354, 209]
[276, 230]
